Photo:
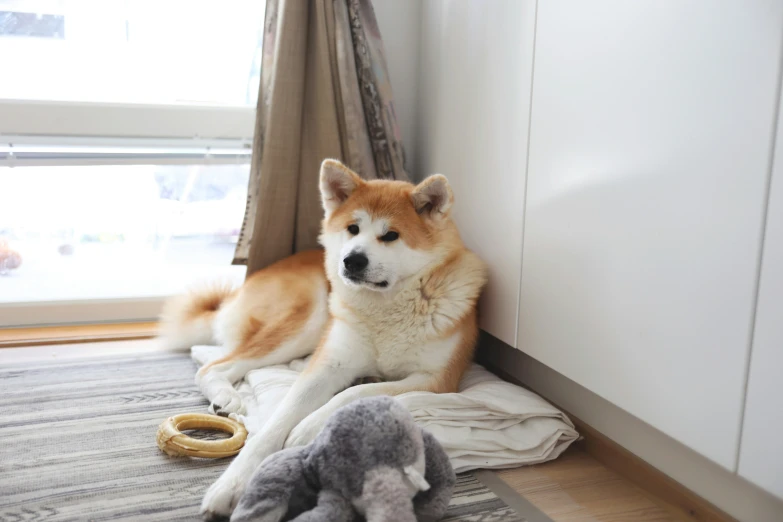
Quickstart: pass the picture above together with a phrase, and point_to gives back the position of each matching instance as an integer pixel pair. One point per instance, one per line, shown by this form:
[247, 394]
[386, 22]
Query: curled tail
[187, 320]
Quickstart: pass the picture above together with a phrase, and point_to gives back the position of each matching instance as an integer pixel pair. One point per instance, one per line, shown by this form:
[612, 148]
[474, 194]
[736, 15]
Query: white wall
[399, 21]
[476, 69]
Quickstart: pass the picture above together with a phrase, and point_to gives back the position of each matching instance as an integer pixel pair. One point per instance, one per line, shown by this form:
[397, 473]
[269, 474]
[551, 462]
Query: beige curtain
[324, 93]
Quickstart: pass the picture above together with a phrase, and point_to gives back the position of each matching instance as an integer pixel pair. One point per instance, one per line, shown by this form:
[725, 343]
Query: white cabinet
[649, 149]
[476, 65]
[761, 452]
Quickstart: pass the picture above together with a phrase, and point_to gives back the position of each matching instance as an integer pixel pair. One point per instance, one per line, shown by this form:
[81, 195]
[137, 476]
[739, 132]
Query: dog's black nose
[355, 262]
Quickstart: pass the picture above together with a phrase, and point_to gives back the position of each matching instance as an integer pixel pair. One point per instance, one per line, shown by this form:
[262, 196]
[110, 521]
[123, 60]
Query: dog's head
[378, 233]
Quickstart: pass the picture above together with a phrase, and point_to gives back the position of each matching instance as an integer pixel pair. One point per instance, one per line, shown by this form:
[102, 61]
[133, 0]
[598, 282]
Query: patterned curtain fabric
[325, 93]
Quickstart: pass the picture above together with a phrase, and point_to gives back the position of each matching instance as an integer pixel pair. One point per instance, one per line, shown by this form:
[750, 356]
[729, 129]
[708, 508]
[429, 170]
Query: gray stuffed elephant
[370, 461]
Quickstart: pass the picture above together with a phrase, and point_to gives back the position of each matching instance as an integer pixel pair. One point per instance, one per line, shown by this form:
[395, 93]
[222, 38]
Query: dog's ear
[337, 184]
[433, 197]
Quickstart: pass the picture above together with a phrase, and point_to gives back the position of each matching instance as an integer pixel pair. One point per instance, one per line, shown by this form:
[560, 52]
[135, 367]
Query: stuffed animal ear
[337, 184]
[433, 503]
[433, 197]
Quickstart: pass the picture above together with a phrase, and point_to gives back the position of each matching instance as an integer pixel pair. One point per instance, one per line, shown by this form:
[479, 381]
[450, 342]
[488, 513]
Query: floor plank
[577, 488]
[84, 333]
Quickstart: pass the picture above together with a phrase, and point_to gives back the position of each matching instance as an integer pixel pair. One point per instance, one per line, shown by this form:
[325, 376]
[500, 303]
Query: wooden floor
[577, 488]
[573, 488]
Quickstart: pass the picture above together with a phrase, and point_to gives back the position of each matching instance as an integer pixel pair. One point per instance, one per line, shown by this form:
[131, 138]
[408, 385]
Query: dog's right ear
[337, 184]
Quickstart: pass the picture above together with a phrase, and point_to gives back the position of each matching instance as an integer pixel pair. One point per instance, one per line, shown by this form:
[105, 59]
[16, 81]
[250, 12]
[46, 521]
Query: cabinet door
[650, 142]
[476, 67]
[761, 454]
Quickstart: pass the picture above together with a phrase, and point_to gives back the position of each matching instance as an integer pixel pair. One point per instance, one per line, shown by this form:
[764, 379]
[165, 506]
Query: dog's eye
[389, 236]
[353, 229]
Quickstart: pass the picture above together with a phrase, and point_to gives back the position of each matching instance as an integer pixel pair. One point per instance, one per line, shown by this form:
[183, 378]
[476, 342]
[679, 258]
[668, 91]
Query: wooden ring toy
[173, 442]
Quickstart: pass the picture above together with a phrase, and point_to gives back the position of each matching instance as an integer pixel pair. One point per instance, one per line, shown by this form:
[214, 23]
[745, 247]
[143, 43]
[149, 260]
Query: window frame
[125, 120]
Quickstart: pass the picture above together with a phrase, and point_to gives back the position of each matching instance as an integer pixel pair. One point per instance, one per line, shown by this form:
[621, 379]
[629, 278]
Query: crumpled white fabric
[489, 424]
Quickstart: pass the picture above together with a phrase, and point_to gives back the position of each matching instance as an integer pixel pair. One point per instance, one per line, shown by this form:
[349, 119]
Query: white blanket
[489, 424]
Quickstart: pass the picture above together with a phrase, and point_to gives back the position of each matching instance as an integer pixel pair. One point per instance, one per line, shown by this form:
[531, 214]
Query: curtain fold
[324, 93]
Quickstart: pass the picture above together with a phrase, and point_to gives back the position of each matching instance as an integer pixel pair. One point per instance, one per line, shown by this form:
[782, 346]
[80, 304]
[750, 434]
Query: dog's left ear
[433, 197]
[337, 183]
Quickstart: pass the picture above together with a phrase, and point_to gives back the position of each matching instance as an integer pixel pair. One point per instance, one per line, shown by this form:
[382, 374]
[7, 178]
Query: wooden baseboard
[681, 502]
[21, 337]
[676, 498]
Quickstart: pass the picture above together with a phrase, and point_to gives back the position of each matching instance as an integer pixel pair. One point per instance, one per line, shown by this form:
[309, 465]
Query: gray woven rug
[77, 443]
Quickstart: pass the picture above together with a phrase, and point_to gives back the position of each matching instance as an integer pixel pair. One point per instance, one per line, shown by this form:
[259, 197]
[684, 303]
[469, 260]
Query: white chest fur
[414, 327]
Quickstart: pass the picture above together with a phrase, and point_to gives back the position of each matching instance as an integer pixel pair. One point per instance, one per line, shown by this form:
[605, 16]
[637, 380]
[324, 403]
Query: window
[132, 51]
[125, 134]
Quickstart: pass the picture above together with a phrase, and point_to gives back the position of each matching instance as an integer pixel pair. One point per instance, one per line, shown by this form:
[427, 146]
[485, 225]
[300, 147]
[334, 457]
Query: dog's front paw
[222, 497]
[227, 402]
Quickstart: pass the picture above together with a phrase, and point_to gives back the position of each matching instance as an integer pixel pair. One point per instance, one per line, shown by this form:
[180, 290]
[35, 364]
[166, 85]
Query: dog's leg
[309, 392]
[341, 358]
[414, 382]
[217, 385]
[217, 381]
[275, 342]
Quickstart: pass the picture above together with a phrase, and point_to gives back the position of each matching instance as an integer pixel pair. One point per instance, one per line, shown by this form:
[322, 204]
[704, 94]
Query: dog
[392, 295]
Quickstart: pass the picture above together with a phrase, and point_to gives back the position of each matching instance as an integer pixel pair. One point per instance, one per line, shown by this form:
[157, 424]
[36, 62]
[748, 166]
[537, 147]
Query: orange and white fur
[393, 296]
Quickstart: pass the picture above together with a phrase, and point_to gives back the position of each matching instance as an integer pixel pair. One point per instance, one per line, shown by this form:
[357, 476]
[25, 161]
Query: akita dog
[392, 296]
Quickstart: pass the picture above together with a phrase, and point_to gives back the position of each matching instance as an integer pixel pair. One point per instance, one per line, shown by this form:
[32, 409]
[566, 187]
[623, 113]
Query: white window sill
[118, 293]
